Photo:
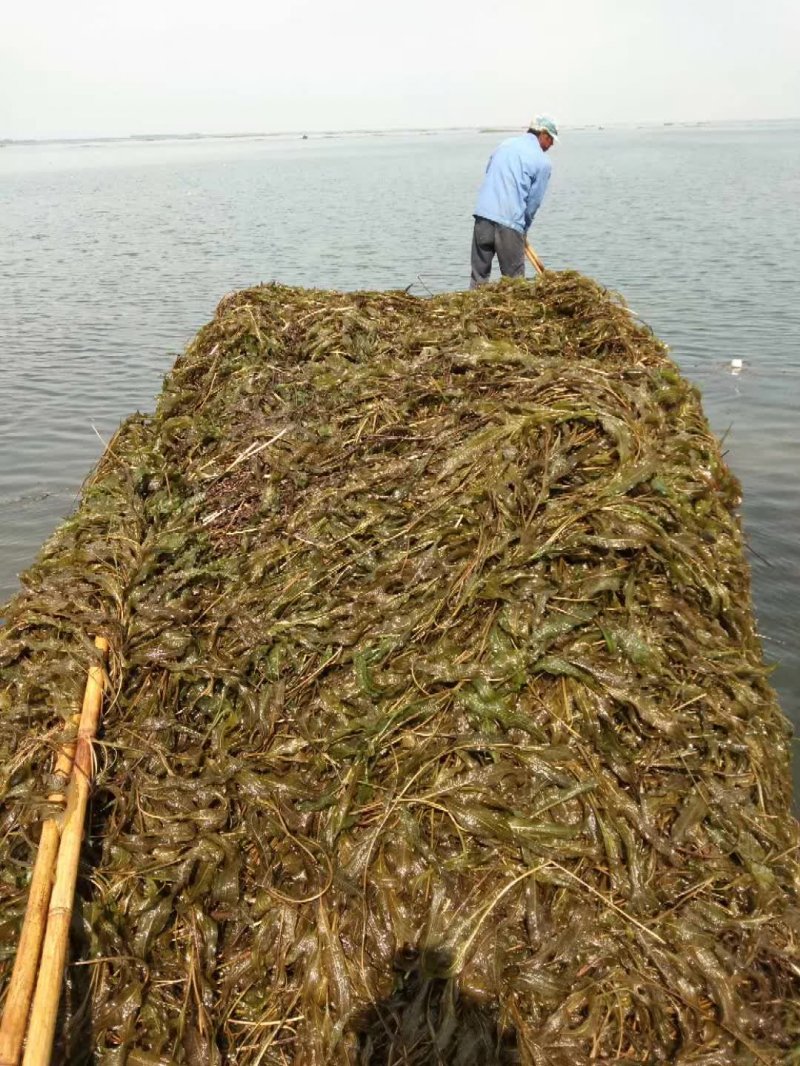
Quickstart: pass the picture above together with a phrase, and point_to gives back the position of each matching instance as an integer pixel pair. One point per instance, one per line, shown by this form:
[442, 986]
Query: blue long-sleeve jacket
[515, 183]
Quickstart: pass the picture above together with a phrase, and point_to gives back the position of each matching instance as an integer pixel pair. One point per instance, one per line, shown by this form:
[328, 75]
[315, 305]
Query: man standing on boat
[512, 192]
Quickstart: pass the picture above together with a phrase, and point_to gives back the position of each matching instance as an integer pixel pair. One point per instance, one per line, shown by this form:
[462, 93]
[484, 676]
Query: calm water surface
[114, 254]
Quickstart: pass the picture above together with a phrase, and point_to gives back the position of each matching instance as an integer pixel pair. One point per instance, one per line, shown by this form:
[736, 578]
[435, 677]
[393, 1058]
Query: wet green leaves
[432, 640]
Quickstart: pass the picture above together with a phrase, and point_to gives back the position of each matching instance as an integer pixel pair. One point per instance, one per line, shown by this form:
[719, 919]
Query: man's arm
[536, 195]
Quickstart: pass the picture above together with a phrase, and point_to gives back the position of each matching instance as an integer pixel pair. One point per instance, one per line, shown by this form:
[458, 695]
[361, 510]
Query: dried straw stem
[48, 986]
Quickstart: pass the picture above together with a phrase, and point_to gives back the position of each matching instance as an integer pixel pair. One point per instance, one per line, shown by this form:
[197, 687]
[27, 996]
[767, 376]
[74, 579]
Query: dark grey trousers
[490, 239]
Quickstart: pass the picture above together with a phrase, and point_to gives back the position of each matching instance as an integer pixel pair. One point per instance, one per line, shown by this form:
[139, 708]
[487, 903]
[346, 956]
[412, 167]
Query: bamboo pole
[20, 989]
[534, 259]
[23, 977]
[44, 1012]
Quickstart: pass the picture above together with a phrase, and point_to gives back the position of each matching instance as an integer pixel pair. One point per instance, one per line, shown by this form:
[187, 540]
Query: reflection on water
[116, 253]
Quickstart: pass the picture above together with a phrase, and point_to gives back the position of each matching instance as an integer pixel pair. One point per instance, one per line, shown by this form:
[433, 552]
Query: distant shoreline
[149, 138]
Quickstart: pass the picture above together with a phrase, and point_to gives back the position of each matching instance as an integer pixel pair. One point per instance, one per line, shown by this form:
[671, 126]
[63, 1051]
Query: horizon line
[483, 127]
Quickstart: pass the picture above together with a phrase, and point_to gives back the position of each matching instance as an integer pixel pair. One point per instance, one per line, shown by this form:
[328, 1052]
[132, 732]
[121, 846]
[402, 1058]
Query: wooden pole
[23, 977]
[534, 259]
[20, 989]
[44, 1012]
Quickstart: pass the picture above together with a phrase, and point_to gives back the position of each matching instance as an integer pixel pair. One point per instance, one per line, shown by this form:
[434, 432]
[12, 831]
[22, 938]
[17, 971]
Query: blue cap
[545, 124]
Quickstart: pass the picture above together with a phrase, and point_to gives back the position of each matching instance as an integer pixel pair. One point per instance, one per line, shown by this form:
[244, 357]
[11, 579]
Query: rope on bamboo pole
[23, 977]
[41, 1029]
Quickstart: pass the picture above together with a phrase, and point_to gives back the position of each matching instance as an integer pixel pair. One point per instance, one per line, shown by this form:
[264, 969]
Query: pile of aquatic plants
[438, 727]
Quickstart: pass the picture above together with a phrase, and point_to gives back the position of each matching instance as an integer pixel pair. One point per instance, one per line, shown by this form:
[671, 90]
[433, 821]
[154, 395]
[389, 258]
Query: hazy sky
[106, 68]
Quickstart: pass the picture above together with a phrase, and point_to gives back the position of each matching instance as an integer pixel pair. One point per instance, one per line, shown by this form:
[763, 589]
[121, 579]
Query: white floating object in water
[737, 364]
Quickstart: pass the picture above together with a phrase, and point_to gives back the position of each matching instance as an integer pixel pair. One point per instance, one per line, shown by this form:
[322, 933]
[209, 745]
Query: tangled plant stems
[439, 728]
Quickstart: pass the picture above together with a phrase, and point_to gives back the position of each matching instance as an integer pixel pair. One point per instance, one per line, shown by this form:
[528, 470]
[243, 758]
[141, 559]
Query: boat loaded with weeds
[438, 728]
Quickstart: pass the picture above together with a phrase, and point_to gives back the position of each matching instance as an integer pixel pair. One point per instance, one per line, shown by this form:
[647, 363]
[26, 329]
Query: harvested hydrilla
[439, 729]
